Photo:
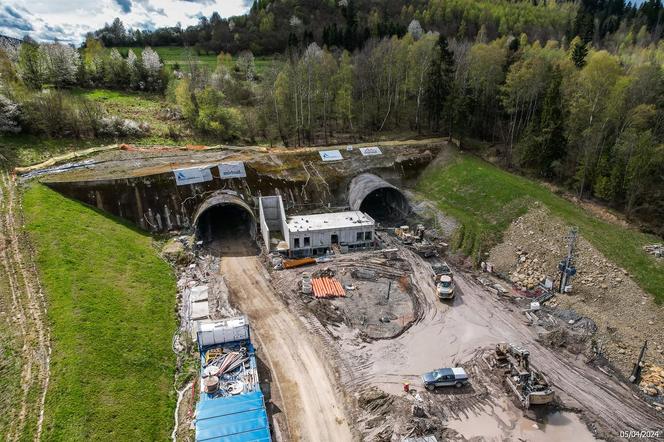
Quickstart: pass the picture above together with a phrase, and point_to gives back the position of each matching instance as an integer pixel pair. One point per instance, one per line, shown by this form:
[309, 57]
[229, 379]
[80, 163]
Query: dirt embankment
[625, 314]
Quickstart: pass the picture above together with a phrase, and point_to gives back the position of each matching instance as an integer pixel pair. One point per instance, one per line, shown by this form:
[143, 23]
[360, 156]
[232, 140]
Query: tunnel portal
[224, 217]
[378, 198]
[385, 204]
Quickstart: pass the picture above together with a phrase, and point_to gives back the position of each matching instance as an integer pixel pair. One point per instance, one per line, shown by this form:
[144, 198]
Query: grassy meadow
[110, 307]
[25, 149]
[486, 199]
[172, 55]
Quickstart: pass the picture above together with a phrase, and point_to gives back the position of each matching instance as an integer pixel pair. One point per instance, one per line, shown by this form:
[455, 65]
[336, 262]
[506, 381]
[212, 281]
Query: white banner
[232, 169]
[330, 155]
[192, 176]
[369, 151]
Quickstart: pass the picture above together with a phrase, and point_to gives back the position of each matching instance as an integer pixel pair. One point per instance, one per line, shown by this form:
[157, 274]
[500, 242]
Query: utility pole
[636, 371]
[566, 266]
[389, 289]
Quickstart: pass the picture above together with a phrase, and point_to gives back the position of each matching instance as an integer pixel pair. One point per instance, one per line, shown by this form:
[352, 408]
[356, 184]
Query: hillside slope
[486, 199]
[110, 307]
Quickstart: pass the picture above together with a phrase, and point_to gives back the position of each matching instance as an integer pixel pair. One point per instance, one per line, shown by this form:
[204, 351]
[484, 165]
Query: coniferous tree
[579, 52]
[439, 83]
[544, 143]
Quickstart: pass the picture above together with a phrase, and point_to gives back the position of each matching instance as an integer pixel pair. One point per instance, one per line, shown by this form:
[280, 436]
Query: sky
[69, 20]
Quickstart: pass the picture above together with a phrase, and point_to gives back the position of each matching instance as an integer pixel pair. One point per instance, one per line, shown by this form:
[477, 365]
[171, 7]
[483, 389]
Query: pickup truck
[445, 377]
[445, 287]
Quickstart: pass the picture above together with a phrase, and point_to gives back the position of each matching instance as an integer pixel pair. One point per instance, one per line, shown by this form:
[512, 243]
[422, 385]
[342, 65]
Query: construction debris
[378, 297]
[602, 291]
[226, 371]
[657, 250]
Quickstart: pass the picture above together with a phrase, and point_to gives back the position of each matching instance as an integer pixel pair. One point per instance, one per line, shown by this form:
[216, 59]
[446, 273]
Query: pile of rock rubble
[529, 271]
[652, 380]
[625, 315]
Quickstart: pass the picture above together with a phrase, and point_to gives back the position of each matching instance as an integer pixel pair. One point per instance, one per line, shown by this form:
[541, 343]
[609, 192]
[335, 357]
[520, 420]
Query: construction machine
[529, 385]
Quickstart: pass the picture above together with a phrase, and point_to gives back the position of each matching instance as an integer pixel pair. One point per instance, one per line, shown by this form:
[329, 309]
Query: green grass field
[486, 199]
[110, 307]
[22, 149]
[143, 107]
[178, 55]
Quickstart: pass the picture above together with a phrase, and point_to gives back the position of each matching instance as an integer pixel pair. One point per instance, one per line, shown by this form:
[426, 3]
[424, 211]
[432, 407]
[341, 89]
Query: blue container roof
[239, 418]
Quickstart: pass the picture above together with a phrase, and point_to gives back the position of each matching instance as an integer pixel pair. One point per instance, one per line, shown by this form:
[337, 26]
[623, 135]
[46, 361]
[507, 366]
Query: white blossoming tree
[415, 29]
[9, 115]
[152, 68]
[62, 63]
[245, 66]
[134, 69]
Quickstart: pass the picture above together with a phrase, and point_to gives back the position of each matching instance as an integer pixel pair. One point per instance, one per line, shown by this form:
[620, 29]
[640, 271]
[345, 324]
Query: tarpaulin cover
[234, 419]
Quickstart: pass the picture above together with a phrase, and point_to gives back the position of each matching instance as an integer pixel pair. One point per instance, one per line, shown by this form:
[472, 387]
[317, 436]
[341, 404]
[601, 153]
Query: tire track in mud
[603, 400]
[312, 402]
[18, 313]
[29, 308]
[478, 319]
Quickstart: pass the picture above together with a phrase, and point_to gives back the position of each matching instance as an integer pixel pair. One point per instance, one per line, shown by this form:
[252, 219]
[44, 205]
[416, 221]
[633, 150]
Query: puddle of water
[555, 426]
[487, 426]
[490, 426]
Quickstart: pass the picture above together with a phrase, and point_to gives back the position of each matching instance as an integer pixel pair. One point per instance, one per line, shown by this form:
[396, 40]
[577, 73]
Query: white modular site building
[314, 235]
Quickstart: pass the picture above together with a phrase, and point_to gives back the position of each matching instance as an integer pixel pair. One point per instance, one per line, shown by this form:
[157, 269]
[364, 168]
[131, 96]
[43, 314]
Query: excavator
[529, 385]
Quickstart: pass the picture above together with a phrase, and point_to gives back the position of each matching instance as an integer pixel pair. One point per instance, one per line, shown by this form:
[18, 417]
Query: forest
[271, 26]
[571, 93]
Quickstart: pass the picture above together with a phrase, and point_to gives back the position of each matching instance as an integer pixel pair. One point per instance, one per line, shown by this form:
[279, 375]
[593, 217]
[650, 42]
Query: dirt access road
[27, 308]
[312, 402]
[450, 334]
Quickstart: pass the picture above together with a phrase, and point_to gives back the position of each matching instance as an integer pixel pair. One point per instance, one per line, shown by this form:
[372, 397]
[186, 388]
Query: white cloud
[69, 20]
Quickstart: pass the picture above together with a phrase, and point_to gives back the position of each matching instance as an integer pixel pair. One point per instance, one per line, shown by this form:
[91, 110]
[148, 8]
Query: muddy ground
[590, 402]
[367, 277]
[334, 369]
[312, 406]
[23, 311]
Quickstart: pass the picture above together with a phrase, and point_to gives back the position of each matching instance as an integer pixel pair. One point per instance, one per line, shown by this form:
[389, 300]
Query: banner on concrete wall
[369, 151]
[232, 169]
[192, 175]
[330, 155]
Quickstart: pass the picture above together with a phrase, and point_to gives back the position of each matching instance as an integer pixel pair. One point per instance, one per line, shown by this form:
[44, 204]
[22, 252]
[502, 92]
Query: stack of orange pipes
[327, 288]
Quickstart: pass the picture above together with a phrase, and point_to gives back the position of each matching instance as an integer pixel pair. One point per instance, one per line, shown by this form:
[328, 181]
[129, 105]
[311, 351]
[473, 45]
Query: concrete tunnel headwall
[378, 198]
[224, 215]
[151, 199]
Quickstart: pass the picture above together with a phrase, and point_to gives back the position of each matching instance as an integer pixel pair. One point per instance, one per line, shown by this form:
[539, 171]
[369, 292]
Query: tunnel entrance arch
[377, 198]
[224, 217]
